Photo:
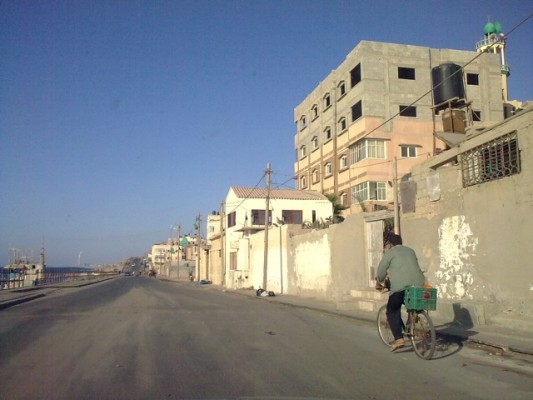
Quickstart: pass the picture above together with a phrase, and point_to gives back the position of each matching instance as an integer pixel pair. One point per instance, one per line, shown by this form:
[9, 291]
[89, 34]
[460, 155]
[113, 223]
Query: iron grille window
[490, 161]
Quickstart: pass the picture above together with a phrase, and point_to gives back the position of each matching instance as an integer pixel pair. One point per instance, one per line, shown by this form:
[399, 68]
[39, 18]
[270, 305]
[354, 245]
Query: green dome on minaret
[492, 27]
[488, 29]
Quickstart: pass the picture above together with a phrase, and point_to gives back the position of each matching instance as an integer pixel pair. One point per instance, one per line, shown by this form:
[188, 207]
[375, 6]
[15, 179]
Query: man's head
[394, 239]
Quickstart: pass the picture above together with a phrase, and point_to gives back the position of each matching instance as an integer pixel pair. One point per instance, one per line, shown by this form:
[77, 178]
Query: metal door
[374, 248]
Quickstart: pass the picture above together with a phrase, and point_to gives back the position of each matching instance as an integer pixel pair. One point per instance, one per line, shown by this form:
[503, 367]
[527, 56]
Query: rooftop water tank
[447, 84]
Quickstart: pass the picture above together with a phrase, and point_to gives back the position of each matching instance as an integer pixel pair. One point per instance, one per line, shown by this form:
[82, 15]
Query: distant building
[245, 214]
[377, 106]
[22, 269]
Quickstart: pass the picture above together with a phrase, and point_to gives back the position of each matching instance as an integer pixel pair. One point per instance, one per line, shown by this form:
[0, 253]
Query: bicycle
[418, 327]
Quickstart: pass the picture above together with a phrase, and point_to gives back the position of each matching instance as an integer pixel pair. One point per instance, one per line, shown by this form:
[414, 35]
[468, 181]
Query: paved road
[141, 338]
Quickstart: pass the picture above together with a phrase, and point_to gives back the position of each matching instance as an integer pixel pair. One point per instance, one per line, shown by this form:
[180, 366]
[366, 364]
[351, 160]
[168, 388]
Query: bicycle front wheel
[385, 334]
[422, 334]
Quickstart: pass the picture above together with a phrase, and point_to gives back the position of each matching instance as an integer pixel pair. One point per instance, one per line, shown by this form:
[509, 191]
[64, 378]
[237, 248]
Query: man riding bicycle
[400, 265]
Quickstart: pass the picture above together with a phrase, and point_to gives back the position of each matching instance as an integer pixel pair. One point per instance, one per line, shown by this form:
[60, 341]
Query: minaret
[494, 42]
[43, 260]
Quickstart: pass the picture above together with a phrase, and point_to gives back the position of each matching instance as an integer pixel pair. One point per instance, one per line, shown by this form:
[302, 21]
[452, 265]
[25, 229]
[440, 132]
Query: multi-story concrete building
[377, 107]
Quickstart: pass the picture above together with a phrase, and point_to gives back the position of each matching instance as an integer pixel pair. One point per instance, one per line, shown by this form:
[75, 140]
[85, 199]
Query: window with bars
[492, 160]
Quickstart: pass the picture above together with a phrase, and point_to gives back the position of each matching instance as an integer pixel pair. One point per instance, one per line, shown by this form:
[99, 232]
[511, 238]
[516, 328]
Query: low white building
[245, 210]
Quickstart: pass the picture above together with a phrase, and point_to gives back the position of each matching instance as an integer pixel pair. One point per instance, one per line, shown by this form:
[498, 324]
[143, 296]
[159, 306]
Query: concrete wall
[316, 263]
[475, 242]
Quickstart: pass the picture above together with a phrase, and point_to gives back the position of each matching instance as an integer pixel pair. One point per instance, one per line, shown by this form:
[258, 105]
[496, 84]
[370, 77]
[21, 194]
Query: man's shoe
[397, 344]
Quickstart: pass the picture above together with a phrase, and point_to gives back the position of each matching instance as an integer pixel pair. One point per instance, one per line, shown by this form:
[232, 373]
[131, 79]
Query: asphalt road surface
[142, 338]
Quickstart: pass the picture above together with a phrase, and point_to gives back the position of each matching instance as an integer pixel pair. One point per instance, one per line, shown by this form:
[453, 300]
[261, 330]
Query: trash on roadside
[264, 293]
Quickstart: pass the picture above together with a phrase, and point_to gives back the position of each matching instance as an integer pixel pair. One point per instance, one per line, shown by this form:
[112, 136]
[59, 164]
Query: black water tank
[447, 84]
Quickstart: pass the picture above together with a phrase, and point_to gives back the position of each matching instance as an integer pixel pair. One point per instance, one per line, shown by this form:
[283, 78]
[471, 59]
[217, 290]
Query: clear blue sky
[119, 119]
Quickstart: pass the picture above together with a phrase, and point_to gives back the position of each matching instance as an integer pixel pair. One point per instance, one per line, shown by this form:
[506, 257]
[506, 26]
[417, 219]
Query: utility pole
[395, 194]
[179, 249]
[198, 240]
[222, 243]
[267, 209]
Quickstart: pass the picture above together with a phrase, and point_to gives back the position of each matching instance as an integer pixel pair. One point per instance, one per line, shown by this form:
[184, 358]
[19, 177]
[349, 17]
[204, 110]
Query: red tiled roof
[285, 194]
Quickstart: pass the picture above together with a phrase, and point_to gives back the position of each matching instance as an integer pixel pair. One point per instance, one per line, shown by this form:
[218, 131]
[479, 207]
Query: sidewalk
[508, 338]
[12, 297]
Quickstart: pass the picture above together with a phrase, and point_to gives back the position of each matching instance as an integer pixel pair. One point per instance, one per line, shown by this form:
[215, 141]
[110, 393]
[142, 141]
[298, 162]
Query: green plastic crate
[419, 298]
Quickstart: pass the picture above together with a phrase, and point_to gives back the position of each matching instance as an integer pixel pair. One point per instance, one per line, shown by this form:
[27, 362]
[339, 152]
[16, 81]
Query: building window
[408, 151]
[327, 133]
[406, 73]
[232, 217]
[367, 148]
[303, 151]
[357, 111]
[367, 191]
[233, 260]
[314, 142]
[472, 79]
[492, 160]
[342, 89]
[314, 111]
[476, 115]
[292, 216]
[327, 100]
[355, 75]
[407, 111]
[303, 182]
[303, 122]
[258, 217]
[343, 162]
[342, 124]
[327, 170]
[315, 176]
[344, 199]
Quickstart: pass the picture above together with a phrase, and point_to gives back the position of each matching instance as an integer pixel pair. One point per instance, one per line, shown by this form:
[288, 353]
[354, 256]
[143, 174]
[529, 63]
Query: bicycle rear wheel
[385, 334]
[422, 334]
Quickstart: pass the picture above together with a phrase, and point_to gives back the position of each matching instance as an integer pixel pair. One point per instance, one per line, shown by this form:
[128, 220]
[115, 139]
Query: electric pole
[198, 240]
[395, 194]
[267, 209]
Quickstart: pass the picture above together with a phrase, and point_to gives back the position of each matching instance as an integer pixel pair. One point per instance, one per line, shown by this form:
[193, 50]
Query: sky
[121, 119]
